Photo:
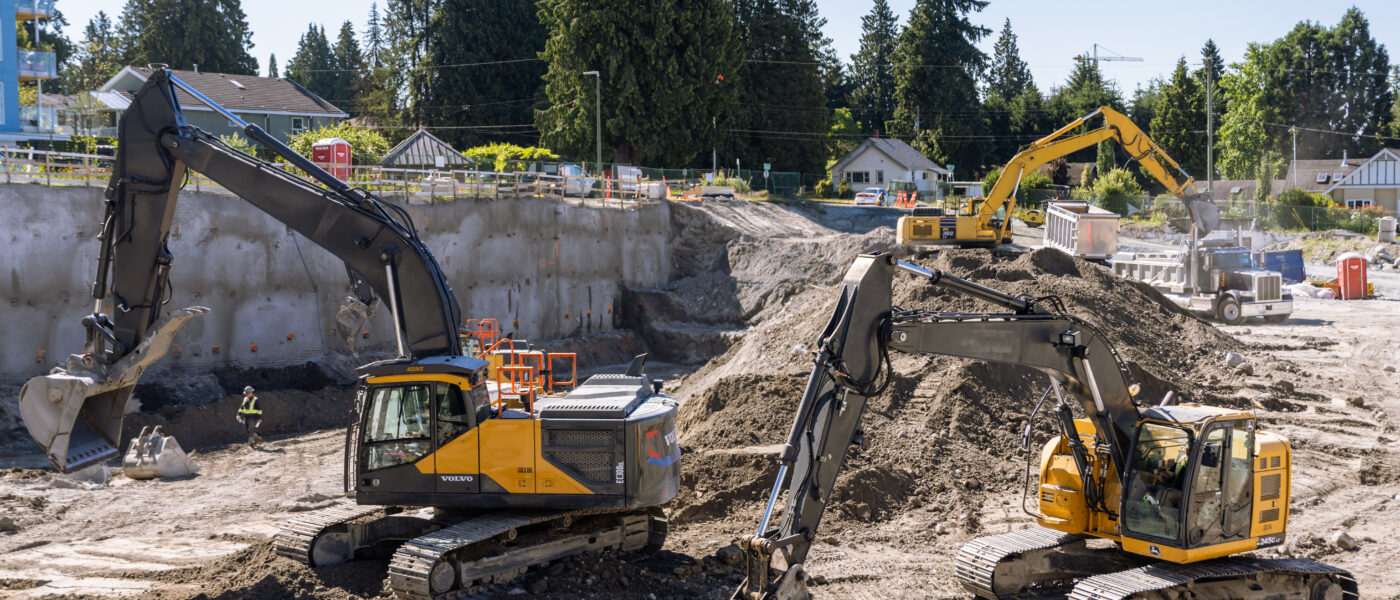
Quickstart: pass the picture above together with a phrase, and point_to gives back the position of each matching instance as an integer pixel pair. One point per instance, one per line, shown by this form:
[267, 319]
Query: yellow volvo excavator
[509, 480]
[986, 221]
[1179, 488]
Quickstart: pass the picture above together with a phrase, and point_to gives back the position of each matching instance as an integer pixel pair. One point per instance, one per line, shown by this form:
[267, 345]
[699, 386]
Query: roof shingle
[249, 93]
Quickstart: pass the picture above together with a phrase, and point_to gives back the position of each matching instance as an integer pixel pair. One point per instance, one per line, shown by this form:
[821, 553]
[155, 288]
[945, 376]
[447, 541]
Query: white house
[1375, 182]
[877, 161]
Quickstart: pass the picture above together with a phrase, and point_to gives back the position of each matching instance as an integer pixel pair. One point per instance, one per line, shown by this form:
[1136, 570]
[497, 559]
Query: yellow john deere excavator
[512, 480]
[985, 221]
[1179, 488]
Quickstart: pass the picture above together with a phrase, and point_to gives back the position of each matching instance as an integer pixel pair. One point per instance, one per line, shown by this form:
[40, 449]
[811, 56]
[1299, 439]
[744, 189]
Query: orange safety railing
[485, 332]
[573, 370]
[522, 384]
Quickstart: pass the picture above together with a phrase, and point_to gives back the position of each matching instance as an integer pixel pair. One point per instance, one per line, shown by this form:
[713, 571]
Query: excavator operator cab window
[1221, 492]
[454, 417]
[480, 401]
[1157, 480]
[399, 425]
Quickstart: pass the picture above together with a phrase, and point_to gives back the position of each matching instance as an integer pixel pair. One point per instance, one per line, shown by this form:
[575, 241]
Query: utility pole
[1210, 135]
[598, 115]
[39, 98]
[1294, 167]
[714, 149]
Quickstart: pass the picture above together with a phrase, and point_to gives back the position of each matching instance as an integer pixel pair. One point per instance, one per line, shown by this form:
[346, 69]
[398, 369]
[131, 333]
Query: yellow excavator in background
[984, 222]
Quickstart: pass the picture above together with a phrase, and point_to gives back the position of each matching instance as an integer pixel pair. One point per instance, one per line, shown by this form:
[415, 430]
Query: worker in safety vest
[250, 415]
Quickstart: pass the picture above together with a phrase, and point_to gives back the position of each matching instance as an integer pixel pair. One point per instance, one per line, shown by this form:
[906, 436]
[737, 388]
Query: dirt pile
[1325, 246]
[947, 430]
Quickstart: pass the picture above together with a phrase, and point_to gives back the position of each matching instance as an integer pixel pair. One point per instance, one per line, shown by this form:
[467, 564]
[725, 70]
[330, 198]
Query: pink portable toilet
[333, 155]
[1351, 276]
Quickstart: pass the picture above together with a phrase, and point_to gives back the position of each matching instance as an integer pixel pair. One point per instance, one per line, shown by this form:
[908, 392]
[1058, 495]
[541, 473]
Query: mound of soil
[947, 430]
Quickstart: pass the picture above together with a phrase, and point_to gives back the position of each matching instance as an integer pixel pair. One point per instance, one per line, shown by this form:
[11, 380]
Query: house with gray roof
[877, 161]
[278, 105]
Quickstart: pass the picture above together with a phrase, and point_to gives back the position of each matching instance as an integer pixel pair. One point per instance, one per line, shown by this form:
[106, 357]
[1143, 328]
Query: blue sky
[1050, 33]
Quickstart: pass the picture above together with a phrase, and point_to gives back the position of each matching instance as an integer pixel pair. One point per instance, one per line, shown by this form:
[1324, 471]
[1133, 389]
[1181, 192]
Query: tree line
[688, 82]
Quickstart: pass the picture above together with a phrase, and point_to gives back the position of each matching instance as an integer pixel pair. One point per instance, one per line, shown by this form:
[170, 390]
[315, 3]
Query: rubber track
[295, 537]
[413, 561]
[1160, 576]
[978, 559]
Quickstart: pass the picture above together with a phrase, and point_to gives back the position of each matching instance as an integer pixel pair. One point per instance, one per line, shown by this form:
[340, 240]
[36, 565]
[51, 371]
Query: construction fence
[1260, 215]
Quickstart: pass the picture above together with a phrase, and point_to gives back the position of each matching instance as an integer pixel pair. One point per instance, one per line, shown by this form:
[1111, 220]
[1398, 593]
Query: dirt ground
[941, 463]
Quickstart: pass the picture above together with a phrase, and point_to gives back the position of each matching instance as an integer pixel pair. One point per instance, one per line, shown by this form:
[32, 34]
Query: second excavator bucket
[75, 413]
[153, 454]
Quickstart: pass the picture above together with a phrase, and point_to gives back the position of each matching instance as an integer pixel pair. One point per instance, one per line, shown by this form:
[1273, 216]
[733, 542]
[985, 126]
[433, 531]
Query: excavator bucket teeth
[75, 414]
[153, 454]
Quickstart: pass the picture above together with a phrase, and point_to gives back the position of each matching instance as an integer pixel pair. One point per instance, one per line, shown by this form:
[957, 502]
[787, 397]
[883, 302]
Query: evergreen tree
[408, 29]
[98, 56]
[1244, 135]
[348, 61]
[1180, 114]
[213, 34]
[872, 69]
[492, 99]
[272, 66]
[1008, 75]
[782, 114]
[1085, 91]
[1143, 107]
[659, 69]
[376, 97]
[313, 66]
[937, 67]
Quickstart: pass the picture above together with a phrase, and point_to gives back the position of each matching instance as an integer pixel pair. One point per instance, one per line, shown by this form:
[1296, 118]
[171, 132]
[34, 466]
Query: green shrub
[822, 189]
[367, 146]
[1112, 191]
[239, 143]
[501, 157]
[843, 189]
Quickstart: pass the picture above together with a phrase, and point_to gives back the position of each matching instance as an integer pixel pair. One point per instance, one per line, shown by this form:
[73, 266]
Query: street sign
[766, 167]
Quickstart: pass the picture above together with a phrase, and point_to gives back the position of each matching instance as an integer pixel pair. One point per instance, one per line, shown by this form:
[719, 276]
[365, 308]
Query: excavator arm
[852, 365]
[75, 412]
[1116, 126]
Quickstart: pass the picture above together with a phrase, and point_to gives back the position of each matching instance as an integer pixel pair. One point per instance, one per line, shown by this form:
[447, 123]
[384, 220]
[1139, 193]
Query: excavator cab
[1193, 485]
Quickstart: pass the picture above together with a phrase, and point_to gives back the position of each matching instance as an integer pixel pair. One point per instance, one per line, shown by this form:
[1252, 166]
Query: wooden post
[48, 170]
[452, 178]
[7, 164]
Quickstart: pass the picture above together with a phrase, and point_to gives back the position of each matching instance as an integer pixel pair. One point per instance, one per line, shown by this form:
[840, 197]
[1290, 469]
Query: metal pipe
[394, 308]
[1093, 385]
[772, 498]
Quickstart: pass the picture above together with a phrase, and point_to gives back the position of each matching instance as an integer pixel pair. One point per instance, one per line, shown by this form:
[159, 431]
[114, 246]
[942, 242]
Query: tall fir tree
[1180, 118]
[1008, 75]
[659, 72]
[212, 34]
[313, 66]
[942, 112]
[272, 66]
[782, 118]
[493, 99]
[348, 63]
[872, 69]
[376, 98]
[408, 31]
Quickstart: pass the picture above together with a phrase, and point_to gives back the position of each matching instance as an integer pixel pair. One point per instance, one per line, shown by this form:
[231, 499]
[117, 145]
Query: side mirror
[1210, 455]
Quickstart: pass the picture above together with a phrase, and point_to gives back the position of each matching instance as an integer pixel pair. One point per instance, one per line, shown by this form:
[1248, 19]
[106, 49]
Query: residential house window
[879, 177]
[858, 176]
[2, 102]
[1355, 203]
[924, 175]
[298, 125]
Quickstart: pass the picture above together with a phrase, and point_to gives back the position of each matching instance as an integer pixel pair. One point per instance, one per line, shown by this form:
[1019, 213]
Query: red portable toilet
[333, 155]
[1351, 276]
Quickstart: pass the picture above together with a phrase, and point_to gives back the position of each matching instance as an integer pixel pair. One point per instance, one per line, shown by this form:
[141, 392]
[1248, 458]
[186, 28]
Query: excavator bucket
[152, 455]
[75, 413]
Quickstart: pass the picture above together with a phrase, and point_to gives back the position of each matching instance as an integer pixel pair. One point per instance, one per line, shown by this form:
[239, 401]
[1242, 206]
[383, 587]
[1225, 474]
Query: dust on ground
[940, 464]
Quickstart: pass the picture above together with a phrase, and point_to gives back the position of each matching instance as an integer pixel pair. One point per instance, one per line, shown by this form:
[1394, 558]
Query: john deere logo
[1154, 550]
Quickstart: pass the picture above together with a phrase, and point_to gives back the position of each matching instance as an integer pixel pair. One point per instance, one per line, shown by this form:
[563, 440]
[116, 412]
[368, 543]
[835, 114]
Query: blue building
[21, 123]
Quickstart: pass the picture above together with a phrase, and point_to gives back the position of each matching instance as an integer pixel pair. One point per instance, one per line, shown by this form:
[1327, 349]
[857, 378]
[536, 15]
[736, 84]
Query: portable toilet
[333, 155]
[1351, 276]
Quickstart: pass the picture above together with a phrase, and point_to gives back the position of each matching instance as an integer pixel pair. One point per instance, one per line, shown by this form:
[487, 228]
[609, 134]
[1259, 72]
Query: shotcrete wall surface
[546, 269]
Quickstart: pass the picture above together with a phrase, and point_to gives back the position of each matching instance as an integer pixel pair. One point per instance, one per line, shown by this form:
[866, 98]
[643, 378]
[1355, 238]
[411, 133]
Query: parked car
[872, 196]
[576, 182]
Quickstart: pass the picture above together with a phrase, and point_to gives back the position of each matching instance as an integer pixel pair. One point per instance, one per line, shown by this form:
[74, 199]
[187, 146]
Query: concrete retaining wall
[544, 268]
